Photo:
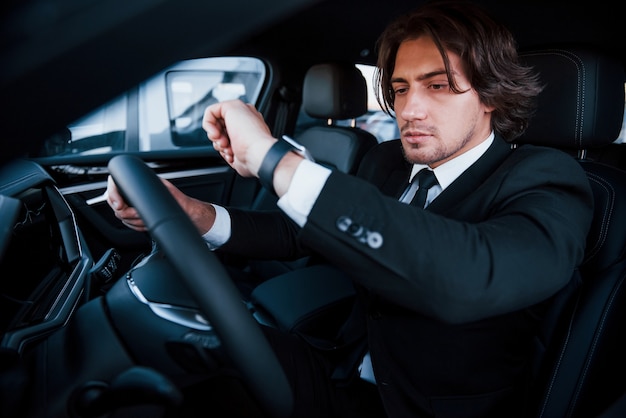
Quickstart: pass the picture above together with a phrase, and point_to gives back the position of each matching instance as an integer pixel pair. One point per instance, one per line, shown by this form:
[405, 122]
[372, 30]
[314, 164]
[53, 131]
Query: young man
[452, 293]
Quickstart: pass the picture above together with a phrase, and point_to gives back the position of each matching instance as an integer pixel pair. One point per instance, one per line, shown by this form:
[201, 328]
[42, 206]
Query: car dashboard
[44, 261]
[56, 337]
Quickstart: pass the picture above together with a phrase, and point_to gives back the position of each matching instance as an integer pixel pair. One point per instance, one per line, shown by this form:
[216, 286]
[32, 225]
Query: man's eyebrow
[422, 77]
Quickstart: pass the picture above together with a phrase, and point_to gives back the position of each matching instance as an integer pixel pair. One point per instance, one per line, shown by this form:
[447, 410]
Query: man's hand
[202, 214]
[241, 136]
[127, 214]
[239, 133]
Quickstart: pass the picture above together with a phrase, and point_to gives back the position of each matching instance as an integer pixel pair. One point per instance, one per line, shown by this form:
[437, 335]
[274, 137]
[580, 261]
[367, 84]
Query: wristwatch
[273, 157]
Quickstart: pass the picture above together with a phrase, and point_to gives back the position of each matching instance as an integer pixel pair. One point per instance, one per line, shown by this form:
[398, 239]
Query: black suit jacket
[453, 293]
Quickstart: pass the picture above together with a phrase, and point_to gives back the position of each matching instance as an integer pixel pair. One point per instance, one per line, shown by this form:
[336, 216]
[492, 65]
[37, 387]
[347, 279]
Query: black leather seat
[581, 356]
[336, 92]
[332, 93]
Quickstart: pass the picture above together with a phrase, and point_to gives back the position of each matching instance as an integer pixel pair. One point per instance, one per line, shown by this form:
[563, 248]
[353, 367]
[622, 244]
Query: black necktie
[426, 179]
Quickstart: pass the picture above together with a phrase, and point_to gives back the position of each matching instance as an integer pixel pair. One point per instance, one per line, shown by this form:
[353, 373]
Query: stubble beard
[435, 152]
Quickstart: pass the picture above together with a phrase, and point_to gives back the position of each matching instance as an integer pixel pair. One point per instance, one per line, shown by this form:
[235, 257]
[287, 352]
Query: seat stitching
[595, 343]
[606, 214]
[580, 96]
[558, 363]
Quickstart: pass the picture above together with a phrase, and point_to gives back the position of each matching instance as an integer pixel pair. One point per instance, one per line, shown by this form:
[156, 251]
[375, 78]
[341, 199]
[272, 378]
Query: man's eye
[438, 86]
[400, 90]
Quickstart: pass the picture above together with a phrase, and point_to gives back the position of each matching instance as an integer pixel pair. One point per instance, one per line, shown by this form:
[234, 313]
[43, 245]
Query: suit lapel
[390, 170]
[396, 183]
[473, 177]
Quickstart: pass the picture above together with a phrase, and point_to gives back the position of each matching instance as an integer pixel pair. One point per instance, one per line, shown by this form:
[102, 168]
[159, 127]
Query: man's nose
[414, 107]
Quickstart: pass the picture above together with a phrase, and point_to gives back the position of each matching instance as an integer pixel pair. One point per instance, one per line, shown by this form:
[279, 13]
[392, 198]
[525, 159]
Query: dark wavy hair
[487, 50]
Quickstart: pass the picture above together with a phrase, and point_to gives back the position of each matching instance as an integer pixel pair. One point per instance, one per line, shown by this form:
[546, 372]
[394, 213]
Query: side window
[163, 113]
[380, 124]
[190, 92]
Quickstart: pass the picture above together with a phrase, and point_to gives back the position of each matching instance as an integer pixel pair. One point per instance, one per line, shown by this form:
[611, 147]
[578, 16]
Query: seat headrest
[582, 104]
[334, 91]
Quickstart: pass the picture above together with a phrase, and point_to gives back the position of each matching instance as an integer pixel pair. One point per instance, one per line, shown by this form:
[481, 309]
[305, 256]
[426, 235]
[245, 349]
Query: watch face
[299, 148]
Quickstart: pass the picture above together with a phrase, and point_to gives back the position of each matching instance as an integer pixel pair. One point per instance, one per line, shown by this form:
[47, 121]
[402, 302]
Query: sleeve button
[374, 240]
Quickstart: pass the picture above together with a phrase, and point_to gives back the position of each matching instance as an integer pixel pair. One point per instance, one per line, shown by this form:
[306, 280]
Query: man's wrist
[220, 229]
[268, 166]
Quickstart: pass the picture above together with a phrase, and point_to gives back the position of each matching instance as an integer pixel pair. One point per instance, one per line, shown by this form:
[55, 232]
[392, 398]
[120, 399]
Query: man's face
[435, 123]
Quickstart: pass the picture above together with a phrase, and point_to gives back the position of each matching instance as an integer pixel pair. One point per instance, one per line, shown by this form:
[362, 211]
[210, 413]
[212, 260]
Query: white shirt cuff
[304, 189]
[220, 231]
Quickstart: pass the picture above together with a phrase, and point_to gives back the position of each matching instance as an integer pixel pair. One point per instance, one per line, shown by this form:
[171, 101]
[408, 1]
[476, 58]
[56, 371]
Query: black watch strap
[271, 160]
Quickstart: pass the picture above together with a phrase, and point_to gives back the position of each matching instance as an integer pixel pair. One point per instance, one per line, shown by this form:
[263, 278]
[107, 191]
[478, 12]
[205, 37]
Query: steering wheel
[207, 280]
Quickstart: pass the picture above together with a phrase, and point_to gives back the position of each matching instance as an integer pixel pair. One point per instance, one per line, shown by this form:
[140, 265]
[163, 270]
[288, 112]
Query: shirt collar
[447, 172]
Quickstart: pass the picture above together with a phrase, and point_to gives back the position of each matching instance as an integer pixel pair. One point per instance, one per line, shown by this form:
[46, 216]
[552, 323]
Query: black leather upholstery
[336, 91]
[581, 357]
[337, 146]
[332, 92]
[582, 104]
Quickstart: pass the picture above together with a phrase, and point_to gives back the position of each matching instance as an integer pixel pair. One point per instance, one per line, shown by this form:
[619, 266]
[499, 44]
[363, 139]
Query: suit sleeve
[513, 242]
[263, 235]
